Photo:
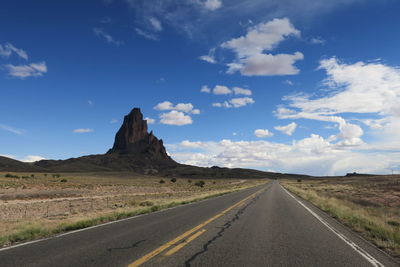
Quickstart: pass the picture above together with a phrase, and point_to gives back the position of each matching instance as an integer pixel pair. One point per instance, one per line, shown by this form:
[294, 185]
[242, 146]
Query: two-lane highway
[263, 226]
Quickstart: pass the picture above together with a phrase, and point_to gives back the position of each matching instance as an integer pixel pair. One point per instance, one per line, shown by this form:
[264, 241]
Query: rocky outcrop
[133, 138]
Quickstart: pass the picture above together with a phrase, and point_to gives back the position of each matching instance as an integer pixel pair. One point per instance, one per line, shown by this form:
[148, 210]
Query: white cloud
[146, 34]
[262, 133]
[175, 118]
[267, 65]
[188, 107]
[8, 49]
[264, 36]
[100, 32]
[249, 49]
[288, 82]
[32, 158]
[187, 143]
[150, 120]
[371, 89]
[166, 105]
[156, 24]
[317, 40]
[114, 121]
[312, 155]
[24, 71]
[287, 129]
[90, 102]
[210, 58]
[185, 107]
[83, 130]
[10, 129]
[235, 102]
[195, 111]
[241, 91]
[221, 90]
[205, 89]
[212, 4]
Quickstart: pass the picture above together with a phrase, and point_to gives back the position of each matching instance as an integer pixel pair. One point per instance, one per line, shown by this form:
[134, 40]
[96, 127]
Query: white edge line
[117, 221]
[353, 245]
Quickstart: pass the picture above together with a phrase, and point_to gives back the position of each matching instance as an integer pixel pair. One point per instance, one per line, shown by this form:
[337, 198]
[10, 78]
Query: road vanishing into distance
[261, 226]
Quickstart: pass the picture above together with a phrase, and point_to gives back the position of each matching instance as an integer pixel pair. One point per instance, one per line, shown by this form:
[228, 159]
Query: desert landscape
[370, 205]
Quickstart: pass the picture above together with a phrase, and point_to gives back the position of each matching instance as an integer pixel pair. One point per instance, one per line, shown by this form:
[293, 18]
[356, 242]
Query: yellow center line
[184, 243]
[157, 251]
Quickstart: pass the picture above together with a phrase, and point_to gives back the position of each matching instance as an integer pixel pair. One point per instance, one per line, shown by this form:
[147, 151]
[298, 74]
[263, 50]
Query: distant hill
[12, 165]
[138, 151]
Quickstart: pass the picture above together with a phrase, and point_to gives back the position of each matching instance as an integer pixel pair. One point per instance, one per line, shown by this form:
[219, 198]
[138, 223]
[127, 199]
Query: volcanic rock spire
[133, 138]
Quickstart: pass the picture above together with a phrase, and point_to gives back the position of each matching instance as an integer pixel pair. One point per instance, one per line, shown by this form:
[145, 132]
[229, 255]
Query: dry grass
[368, 205]
[48, 204]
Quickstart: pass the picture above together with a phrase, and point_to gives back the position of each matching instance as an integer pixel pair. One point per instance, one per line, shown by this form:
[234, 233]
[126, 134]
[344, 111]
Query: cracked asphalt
[269, 228]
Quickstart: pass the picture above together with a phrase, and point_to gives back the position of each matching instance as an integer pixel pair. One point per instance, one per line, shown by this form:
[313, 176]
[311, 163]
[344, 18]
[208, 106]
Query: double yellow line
[157, 251]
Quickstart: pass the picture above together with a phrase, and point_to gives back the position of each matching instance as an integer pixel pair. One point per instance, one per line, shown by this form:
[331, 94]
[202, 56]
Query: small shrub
[45, 174]
[214, 182]
[299, 180]
[162, 181]
[64, 180]
[393, 223]
[173, 180]
[146, 203]
[200, 183]
[189, 181]
[32, 175]
[9, 175]
[25, 177]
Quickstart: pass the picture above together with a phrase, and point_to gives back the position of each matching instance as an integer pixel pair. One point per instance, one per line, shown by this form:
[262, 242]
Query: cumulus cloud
[150, 120]
[368, 88]
[267, 65]
[175, 118]
[287, 129]
[312, 155]
[25, 71]
[224, 90]
[185, 107]
[8, 49]
[249, 49]
[264, 36]
[241, 91]
[262, 133]
[179, 113]
[101, 33]
[221, 90]
[205, 89]
[234, 102]
[83, 130]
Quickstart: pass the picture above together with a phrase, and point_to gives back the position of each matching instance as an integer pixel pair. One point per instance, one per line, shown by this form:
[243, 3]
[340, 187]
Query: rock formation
[133, 138]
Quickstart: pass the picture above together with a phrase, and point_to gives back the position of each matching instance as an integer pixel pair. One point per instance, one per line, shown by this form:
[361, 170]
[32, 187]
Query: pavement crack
[220, 233]
[128, 247]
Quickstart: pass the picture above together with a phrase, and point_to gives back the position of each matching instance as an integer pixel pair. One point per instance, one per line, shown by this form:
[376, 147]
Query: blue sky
[291, 86]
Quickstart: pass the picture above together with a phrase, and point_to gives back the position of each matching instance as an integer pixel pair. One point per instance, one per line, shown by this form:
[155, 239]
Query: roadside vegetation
[368, 205]
[42, 205]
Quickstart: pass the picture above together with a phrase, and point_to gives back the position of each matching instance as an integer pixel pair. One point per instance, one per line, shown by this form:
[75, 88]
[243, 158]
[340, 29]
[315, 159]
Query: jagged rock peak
[133, 138]
[132, 130]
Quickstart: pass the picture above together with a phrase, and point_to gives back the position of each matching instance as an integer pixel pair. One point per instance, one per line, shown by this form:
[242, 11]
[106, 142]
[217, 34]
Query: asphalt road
[263, 226]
